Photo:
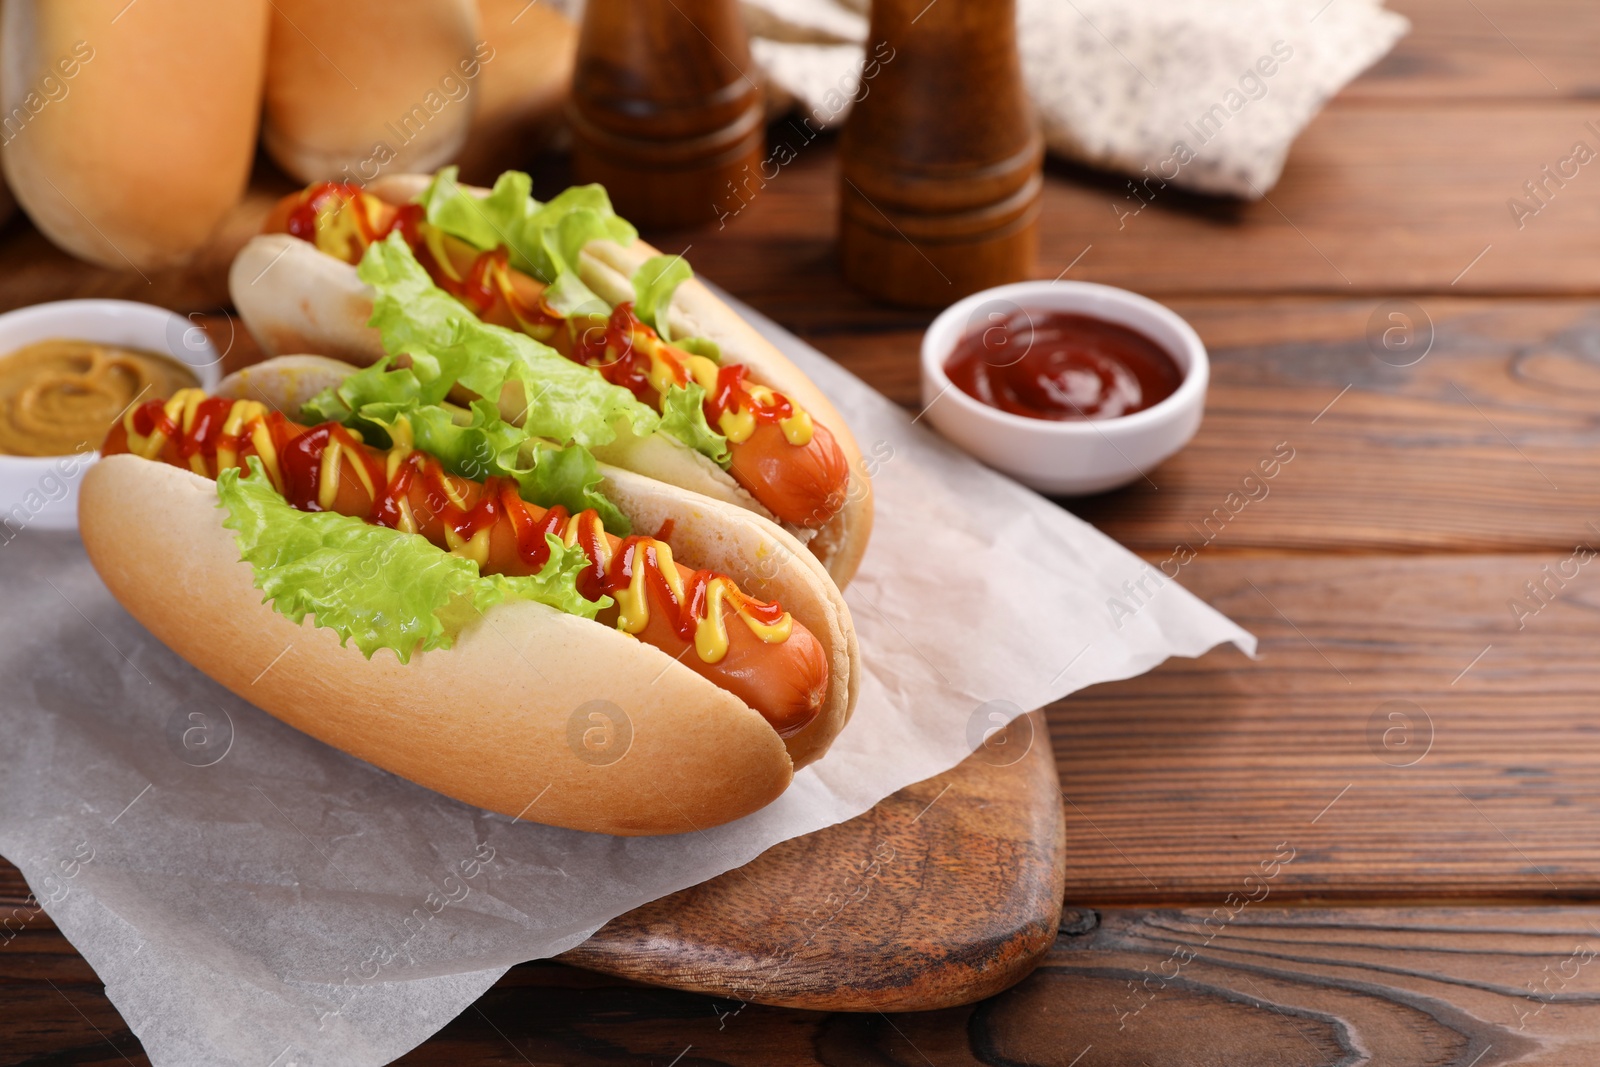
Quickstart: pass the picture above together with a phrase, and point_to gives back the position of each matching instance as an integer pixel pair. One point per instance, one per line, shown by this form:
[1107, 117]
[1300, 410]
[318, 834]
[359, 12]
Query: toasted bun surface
[297, 299]
[127, 144]
[357, 86]
[504, 713]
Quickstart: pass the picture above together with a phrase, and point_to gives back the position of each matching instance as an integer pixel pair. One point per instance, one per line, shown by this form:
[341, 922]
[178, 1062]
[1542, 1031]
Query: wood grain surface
[1433, 910]
[944, 893]
[1225, 985]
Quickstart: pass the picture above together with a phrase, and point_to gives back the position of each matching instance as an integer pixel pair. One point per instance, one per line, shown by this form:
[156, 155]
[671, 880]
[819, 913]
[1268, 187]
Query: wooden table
[1265, 866]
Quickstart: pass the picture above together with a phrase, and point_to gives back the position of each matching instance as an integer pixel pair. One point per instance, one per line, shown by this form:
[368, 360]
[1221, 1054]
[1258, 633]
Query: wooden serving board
[945, 893]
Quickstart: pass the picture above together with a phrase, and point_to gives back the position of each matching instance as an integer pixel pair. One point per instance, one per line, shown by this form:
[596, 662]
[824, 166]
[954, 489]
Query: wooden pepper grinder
[941, 160]
[663, 113]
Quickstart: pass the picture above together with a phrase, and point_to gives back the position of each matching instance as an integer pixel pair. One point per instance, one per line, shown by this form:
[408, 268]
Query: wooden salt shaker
[663, 113]
[941, 160]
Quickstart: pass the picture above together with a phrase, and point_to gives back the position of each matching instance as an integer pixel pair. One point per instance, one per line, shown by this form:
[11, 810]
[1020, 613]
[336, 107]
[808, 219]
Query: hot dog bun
[127, 144]
[360, 86]
[493, 720]
[293, 298]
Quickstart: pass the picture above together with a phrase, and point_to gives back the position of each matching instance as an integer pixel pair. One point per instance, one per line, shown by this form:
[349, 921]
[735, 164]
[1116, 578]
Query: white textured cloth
[1205, 94]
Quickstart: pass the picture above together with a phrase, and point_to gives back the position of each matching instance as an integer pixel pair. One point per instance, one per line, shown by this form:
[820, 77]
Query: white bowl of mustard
[68, 370]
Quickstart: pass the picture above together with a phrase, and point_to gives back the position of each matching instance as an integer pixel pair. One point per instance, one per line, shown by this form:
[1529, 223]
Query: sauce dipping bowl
[1065, 458]
[41, 492]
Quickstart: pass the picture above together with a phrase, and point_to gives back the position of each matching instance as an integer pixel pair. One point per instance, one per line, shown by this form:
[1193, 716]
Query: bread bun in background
[127, 133]
[358, 87]
[522, 90]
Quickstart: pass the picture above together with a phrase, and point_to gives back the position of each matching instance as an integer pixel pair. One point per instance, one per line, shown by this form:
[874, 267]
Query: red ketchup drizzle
[620, 352]
[151, 416]
[1062, 367]
[300, 462]
[301, 453]
[610, 349]
[485, 279]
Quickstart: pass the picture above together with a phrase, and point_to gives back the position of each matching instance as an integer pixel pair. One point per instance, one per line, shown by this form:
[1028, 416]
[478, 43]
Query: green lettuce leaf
[483, 222]
[683, 415]
[543, 239]
[701, 346]
[475, 443]
[554, 233]
[570, 298]
[653, 285]
[486, 446]
[372, 585]
[449, 345]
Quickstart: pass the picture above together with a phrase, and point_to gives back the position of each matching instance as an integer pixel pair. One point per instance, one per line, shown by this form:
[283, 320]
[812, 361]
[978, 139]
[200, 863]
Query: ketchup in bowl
[1062, 367]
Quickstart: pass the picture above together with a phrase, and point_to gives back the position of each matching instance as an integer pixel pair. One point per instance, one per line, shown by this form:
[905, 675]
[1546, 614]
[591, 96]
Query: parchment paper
[251, 896]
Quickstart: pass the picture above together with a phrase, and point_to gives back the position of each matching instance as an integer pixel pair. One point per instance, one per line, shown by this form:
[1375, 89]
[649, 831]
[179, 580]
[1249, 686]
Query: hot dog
[788, 461]
[720, 692]
[783, 450]
[751, 648]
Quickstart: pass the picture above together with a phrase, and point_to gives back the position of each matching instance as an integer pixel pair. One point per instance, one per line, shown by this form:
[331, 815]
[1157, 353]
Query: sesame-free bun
[357, 87]
[128, 135]
[294, 298]
[528, 703]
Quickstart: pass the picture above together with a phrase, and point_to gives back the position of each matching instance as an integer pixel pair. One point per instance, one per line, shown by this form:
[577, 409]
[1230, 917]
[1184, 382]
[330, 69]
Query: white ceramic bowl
[1066, 458]
[41, 492]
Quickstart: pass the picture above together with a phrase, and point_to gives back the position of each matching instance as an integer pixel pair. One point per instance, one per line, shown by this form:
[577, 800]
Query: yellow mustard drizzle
[181, 410]
[197, 462]
[711, 629]
[770, 633]
[476, 548]
[333, 456]
[602, 547]
[737, 426]
[797, 428]
[633, 606]
[261, 437]
[435, 241]
[227, 456]
[711, 632]
[399, 452]
[337, 226]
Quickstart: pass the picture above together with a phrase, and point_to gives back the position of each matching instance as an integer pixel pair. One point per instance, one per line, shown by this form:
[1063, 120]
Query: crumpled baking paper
[251, 896]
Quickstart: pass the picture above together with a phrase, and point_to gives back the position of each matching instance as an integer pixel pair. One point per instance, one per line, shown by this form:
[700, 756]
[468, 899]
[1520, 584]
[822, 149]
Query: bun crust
[286, 382]
[503, 714]
[294, 298]
[356, 86]
[92, 150]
